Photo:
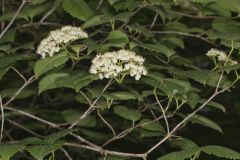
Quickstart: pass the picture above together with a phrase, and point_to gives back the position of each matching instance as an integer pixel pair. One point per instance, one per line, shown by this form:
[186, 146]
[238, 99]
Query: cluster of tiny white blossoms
[220, 56]
[119, 63]
[52, 43]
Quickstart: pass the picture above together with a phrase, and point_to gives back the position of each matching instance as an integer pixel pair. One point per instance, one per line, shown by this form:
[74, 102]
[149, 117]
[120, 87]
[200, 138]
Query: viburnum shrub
[117, 79]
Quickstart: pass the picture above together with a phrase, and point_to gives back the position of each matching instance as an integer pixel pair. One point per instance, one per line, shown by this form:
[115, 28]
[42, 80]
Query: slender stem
[183, 34]
[162, 109]
[29, 81]
[91, 107]
[154, 21]
[2, 118]
[14, 17]
[109, 126]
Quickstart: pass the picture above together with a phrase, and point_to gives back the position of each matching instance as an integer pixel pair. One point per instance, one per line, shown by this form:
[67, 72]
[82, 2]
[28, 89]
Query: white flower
[122, 62]
[220, 56]
[51, 44]
[215, 53]
[67, 34]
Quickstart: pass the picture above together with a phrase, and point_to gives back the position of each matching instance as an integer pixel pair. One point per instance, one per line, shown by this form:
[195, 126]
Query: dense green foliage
[53, 108]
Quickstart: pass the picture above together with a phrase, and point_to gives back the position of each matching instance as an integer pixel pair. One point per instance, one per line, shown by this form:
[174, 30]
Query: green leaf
[10, 92]
[4, 71]
[44, 65]
[201, 76]
[35, 2]
[12, 59]
[9, 150]
[127, 113]
[185, 144]
[214, 105]
[58, 135]
[203, 1]
[72, 115]
[220, 151]
[121, 95]
[76, 81]
[150, 134]
[49, 82]
[41, 151]
[152, 126]
[78, 9]
[205, 122]
[159, 48]
[118, 38]
[180, 155]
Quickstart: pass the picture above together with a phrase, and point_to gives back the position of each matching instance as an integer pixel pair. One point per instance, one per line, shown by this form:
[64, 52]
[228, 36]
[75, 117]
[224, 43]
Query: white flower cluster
[52, 43]
[119, 63]
[220, 56]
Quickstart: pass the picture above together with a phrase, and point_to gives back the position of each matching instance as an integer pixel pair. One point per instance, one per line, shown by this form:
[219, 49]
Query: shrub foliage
[54, 108]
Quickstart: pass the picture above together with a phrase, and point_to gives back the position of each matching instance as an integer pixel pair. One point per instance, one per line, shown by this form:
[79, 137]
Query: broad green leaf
[4, 71]
[35, 2]
[96, 136]
[49, 82]
[220, 151]
[152, 126]
[58, 135]
[205, 122]
[180, 155]
[214, 105]
[12, 59]
[32, 11]
[78, 9]
[96, 20]
[10, 92]
[41, 151]
[9, 150]
[118, 38]
[112, 2]
[76, 81]
[72, 116]
[185, 144]
[121, 95]
[44, 65]
[149, 134]
[9, 36]
[233, 5]
[159, 48]
[203, 1]
[127, 113]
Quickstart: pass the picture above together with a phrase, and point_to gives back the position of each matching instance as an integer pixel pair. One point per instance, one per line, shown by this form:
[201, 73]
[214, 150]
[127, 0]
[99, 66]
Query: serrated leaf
[185, 144]
[44, 65]
[35, 2]
[9, 150]
[56, 136]
[180, 155]
[206, 122]
[118, 38]
[127, 113]
[121, 95]
[49, 82]
[78, 9]
[76, 81]
[203, 1]
[72, 116]
[214, 105]
[159, 48]
[220, 151]
[41, 151]
[12, 59]
[152, 126]
[149, 134]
